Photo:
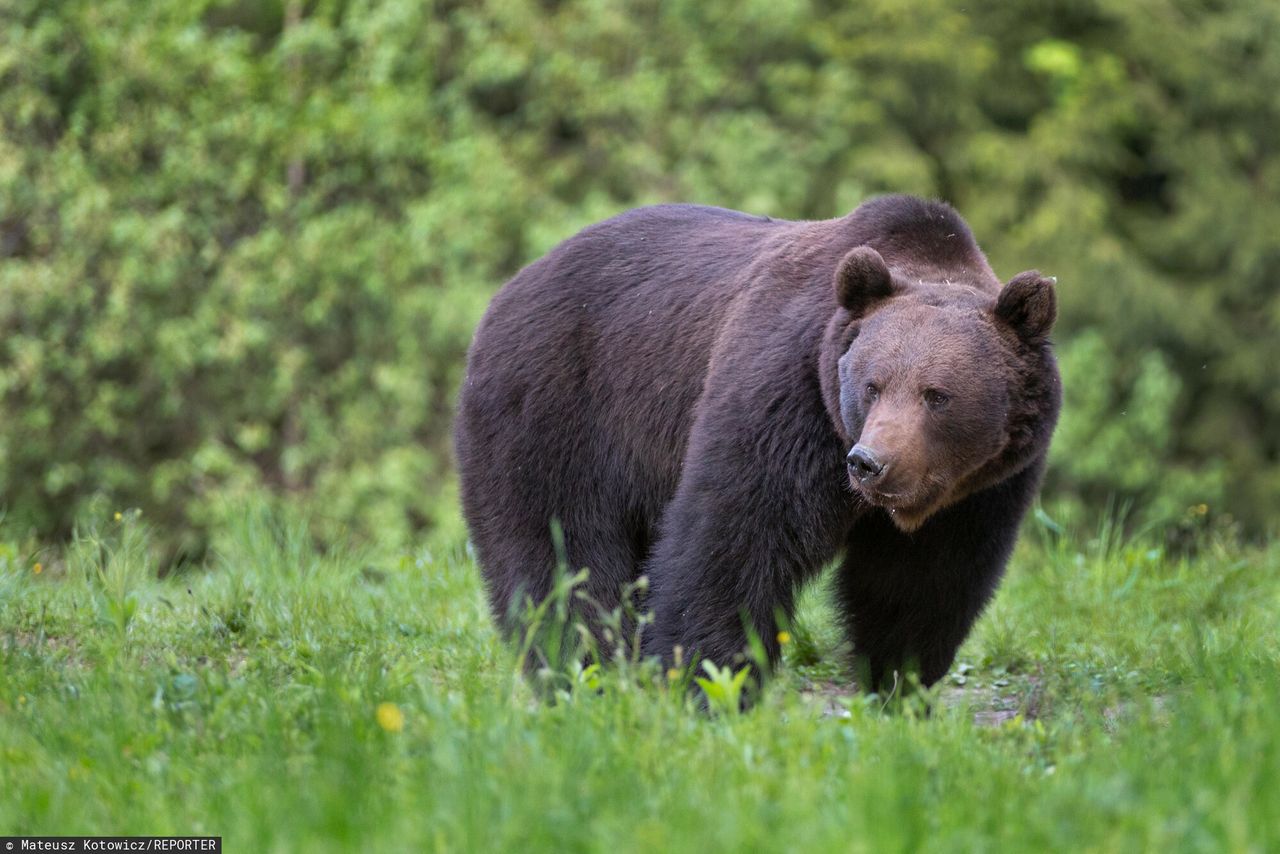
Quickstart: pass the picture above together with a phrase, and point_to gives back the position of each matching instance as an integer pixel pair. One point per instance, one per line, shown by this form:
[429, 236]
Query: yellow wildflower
[673, 674]
[119, 516]
[38, 568]
[784, 638]
[390, 717]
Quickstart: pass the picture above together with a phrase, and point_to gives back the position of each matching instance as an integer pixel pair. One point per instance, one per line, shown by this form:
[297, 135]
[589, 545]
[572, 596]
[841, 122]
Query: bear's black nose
[864, 462]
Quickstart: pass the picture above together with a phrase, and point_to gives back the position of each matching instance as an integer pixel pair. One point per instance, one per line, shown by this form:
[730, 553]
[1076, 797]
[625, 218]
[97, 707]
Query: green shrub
[1116, 437]
[243, 245]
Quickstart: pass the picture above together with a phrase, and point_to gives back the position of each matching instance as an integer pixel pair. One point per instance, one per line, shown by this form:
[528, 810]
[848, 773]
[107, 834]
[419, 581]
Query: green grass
[1113, 699]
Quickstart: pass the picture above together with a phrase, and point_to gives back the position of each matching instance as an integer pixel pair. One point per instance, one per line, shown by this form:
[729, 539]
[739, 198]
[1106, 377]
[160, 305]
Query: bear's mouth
[879, 498]
[887, 500]
[907, 510]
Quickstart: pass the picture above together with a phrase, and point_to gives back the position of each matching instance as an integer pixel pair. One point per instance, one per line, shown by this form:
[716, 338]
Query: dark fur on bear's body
[679, 387]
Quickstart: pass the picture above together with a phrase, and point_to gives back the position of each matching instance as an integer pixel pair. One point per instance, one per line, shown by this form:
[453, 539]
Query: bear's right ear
[862, 279]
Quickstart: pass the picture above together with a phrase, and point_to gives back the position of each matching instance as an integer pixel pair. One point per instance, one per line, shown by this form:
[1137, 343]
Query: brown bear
[726, 403]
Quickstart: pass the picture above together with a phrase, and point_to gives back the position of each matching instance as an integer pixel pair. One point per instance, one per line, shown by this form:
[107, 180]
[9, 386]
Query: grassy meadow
[1116, 697]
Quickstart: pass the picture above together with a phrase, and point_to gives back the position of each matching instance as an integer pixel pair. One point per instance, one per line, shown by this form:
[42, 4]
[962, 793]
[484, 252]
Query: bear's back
[632, 301]
[592, 359]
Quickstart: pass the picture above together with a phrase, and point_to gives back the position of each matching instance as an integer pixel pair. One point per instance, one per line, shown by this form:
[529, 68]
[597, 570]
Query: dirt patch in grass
[992, 701]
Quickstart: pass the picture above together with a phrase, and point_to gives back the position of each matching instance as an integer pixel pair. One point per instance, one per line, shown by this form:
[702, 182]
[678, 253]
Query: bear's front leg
[759, 509]
[910, 599]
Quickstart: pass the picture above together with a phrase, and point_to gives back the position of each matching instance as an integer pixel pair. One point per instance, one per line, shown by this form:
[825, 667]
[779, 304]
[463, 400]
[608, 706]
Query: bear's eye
[935, 399]
[873, 393]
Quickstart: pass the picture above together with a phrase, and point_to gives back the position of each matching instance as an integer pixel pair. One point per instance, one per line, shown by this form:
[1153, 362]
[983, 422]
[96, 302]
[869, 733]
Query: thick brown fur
[679, 387]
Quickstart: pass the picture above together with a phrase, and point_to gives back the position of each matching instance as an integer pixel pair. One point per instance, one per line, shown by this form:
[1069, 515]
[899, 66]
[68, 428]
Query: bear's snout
[864, 463]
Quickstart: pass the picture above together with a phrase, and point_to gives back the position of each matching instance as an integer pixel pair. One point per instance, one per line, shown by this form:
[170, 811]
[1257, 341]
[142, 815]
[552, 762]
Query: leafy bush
[1117, 434]
[243, 245]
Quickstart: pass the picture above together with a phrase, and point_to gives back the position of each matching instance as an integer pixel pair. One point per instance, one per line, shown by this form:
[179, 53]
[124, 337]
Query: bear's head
[943, 388]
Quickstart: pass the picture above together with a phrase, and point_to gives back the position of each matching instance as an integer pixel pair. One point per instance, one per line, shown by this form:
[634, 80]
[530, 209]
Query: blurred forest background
[243, 245]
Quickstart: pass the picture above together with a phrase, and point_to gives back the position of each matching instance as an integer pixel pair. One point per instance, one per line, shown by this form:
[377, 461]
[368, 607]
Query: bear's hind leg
[522, 571]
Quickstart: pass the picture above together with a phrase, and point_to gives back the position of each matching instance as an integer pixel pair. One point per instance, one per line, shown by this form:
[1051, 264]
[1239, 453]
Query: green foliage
[723, 687]
[112, 563]
[1118, 435]
[243, 245]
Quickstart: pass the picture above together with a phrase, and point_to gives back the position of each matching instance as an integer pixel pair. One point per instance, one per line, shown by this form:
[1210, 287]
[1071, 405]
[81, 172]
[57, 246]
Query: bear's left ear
[862, 279]
[1028, 304]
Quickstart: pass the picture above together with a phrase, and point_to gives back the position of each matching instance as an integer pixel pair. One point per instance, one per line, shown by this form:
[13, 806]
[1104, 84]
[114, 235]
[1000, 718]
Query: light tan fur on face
[928, 453]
